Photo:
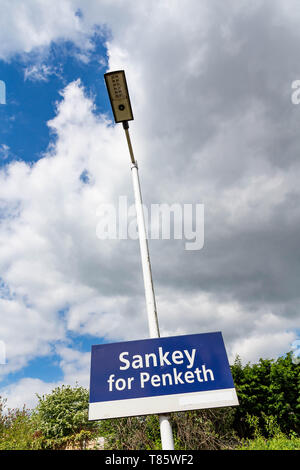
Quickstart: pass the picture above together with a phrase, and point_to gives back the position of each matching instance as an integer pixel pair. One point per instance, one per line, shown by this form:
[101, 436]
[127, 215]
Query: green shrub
[201, 429]
[275, 440]
[17, 430]
[62, 417]
[280, 442]
[270, 388]
[133, 433]
[207, 429]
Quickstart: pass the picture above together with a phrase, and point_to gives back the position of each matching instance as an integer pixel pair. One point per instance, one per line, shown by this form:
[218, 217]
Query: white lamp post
[121, 106]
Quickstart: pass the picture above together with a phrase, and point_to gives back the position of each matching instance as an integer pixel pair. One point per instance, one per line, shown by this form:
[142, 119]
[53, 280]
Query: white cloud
[39, 72]
[264, 346]
[23, 393]
[34, 24]
[75, 366]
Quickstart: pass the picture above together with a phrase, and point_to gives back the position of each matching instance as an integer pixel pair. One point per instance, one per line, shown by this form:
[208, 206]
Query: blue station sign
[160, 375]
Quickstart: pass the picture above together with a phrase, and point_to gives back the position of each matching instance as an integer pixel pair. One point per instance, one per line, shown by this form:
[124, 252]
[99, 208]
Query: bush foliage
[16, 429]
[201, 429]
[275, 440]
[269, 388]
[63, 412]
[267, 418]
[59, 420]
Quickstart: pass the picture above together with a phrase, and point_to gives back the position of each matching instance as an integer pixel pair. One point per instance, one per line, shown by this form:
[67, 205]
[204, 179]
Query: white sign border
[163, 404]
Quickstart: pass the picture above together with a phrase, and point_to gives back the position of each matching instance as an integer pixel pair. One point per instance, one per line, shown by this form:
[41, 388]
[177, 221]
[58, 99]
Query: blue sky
[211, 88]
[31, 98]
[47, 368]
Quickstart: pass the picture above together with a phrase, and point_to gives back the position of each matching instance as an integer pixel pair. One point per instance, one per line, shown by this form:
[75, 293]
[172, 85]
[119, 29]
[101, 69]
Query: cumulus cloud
[24, 392]
[210, 86]
[34, 24]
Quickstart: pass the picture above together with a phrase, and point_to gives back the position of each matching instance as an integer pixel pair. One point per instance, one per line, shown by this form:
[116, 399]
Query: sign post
[121, 106]
[156, 375]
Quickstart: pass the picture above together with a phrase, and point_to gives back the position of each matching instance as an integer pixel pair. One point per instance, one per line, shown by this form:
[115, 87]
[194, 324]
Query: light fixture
[118, 94]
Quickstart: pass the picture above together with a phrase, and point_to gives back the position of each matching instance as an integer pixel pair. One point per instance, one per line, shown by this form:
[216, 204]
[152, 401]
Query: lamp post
[121, 106]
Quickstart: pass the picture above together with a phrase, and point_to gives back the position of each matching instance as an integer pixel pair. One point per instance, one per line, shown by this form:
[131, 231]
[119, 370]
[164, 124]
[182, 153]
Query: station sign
[161, 375]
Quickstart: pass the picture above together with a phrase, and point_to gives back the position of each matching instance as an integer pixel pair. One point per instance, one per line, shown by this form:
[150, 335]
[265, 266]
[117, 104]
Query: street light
[121, 106]
[119, 96]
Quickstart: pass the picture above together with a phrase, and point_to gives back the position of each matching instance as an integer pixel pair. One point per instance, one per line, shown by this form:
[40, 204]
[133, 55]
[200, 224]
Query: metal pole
[165, 426]
[146, 266]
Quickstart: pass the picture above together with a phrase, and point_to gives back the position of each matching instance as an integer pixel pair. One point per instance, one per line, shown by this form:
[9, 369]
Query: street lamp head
[118, 94]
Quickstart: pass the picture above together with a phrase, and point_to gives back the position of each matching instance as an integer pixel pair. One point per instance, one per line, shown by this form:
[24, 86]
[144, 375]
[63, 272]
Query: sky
[215, 123]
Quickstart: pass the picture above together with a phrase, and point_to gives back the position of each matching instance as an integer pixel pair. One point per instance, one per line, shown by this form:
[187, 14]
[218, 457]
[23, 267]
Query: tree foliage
[270, 388]
[16, 429]
[62, 416]
[272, 439]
